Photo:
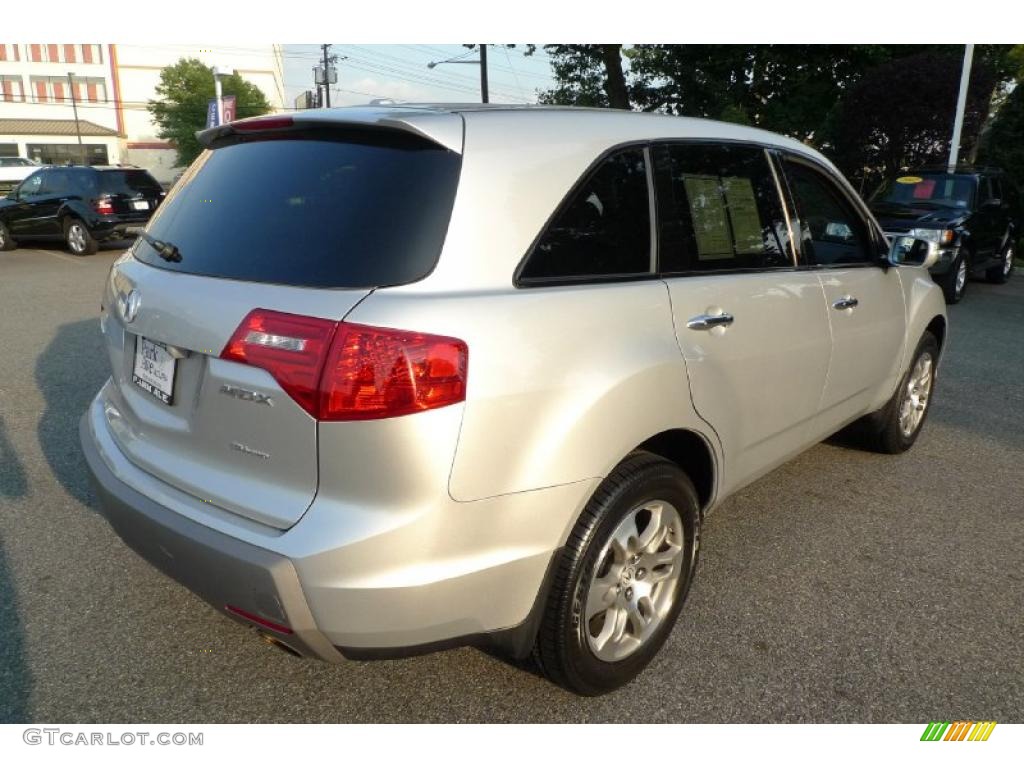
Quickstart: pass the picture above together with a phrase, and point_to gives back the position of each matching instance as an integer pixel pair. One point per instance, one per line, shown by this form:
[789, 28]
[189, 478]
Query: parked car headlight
[941, 236]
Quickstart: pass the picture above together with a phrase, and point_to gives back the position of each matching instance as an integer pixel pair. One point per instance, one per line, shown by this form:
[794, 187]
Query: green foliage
[872, 108]
[587, 76]
[900, 115]
[1004, 144]
[182, 96]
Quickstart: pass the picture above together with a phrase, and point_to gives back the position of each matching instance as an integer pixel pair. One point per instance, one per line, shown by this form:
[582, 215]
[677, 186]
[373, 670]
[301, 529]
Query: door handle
[847, 302]
[707, 322]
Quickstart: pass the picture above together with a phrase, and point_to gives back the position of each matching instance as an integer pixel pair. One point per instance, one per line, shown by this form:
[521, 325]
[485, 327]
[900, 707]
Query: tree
[901, 115]
[1004, 144]
[587, 76]
[183, 94]
[785, 88]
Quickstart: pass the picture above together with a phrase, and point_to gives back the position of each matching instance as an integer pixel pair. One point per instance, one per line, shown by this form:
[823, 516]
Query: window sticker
[924, 190]
[710, 217]
[746, 221]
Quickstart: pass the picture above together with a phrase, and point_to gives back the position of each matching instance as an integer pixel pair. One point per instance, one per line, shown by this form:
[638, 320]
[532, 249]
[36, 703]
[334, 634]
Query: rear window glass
[128, 182]
[316, 208]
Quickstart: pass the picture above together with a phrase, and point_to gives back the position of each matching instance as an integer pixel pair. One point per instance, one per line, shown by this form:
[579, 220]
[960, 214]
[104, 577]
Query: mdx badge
[246, 394]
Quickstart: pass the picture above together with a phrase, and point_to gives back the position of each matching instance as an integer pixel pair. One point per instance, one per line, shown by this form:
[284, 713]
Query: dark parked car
[81, 205]
[974, 214]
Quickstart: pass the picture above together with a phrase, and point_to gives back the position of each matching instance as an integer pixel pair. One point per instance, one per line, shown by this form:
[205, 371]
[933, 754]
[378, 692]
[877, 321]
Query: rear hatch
[133, 193]
[304, 222]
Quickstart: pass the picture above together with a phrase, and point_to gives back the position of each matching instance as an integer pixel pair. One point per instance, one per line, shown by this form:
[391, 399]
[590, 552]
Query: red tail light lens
[103, 206]
[377, 373]
[349, 372]
[291, 347]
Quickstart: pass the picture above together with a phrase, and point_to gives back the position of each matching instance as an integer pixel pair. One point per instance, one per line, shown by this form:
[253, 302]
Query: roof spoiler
[443, 130]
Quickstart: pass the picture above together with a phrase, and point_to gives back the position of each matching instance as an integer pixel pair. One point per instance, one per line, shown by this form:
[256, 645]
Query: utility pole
[78, 128]
[326, 75]
[961, 104]
[483, 72]
[327, 64]
[482, 61]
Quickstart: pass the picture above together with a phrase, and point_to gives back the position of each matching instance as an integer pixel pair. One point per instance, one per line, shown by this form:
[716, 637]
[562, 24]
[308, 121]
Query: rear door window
[604, 228]
[318, 208]
[718, 209]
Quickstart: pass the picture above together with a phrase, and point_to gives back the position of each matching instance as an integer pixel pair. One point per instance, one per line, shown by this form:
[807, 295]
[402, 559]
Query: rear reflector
[279, 628]
[349, 372]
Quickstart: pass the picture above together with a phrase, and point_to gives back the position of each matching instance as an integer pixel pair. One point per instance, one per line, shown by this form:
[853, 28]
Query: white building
[110, 86]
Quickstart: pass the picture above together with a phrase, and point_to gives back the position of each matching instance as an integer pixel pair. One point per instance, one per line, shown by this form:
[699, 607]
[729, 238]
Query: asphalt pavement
[843, 587]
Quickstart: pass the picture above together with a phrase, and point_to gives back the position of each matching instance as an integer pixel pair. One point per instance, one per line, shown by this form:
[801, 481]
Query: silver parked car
[398, 378]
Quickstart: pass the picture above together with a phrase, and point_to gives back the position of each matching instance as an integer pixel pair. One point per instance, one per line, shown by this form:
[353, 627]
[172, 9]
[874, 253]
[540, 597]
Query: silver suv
[393, 379]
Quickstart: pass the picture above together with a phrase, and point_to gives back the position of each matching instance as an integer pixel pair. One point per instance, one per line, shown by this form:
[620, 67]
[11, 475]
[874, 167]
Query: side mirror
[909, 251]
[13, 194]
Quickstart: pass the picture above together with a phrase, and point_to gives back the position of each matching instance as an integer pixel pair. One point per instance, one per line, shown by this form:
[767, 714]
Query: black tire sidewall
[949, 280]
[585, 672]
[8, 243]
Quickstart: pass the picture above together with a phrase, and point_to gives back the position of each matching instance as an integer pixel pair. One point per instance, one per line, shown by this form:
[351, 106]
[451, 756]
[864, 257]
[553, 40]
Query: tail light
[104, 206]
[349, 372]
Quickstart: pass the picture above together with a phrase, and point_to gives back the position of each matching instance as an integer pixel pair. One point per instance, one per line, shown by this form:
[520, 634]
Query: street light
[219, 72]
[482, 61]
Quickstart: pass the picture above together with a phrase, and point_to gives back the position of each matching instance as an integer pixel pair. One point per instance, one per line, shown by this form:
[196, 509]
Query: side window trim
[518, 281]
[652, 209]
[856, 207]
[786, 201]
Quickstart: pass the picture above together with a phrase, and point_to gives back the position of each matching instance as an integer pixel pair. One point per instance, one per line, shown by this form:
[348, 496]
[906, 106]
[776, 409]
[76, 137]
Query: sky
[400, 72]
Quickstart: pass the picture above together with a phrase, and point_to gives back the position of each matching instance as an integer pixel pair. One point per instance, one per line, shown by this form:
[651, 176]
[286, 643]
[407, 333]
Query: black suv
[81, 205]
[974, 215]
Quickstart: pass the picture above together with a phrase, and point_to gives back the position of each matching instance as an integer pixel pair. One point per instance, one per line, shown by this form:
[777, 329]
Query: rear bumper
[119, 226]
[348, 579]
[220, 569]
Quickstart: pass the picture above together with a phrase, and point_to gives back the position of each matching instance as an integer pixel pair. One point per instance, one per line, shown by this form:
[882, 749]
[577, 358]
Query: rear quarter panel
[563, 381]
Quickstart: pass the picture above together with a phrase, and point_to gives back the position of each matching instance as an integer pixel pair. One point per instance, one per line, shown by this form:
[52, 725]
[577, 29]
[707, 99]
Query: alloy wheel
[633, 586]
[916, 395]
[76, 238]
[961, 277]
[1008, 263]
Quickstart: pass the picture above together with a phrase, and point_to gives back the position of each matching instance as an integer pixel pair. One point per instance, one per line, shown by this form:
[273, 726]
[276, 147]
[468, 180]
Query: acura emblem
[129, 305]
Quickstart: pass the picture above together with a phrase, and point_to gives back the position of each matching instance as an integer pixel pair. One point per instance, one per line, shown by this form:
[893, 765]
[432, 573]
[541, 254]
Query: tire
[595, 656]
[890, 433]
[953, 287]
[78, 239]
[6, 241]
[1001, 273]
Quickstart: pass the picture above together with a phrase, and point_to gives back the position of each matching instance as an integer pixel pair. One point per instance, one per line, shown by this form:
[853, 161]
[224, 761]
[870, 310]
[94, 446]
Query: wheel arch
[937, 328]
[692, 453]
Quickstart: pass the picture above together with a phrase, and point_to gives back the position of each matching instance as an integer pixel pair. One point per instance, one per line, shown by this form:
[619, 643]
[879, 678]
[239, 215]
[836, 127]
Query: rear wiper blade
[165, 250]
